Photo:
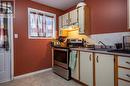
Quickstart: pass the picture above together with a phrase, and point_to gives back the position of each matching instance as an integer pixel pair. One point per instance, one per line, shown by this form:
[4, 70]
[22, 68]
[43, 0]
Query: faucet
[102, 44]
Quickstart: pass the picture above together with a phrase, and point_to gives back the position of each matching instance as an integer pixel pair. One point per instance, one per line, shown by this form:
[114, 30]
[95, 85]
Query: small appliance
[72, 43]
[126, 42]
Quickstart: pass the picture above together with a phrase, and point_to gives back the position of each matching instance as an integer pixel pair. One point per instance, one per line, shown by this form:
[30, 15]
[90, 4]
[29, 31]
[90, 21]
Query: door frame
[11, 39]
[12, 49]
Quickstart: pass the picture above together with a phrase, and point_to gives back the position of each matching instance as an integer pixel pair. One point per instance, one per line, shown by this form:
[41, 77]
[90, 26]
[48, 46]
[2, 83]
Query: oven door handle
[61, 49]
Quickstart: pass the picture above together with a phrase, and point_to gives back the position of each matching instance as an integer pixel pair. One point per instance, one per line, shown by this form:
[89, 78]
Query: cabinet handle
[128, 75]
[97, 59]
[128, 63]
[90, 57]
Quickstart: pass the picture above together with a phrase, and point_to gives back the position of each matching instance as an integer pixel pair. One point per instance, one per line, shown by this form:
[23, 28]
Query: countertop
[100, 51]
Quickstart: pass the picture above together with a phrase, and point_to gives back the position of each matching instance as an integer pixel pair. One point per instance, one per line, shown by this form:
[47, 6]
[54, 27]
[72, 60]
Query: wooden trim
[94, 70]
[124, 67]
[79, 64]
[77, 21]
[32, 73]
[79, 82]
[115, 70]
[124, 80]
[52, 57]
[87, 21]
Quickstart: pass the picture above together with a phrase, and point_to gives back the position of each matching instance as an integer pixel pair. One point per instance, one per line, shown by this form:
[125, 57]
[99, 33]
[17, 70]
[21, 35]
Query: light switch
[16, 36]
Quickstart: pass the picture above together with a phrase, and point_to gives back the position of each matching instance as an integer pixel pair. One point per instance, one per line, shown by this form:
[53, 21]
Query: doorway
[6, 48]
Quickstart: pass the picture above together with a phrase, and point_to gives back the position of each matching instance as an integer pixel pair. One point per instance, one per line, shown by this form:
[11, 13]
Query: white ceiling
[60, 4]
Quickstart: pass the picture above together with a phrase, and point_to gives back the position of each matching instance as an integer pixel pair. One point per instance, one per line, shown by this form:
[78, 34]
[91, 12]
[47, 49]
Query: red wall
[107, 16]
[30, 55]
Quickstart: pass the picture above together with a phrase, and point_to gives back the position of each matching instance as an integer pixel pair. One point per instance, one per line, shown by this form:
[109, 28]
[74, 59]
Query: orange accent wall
[30, 55]
[107, 16]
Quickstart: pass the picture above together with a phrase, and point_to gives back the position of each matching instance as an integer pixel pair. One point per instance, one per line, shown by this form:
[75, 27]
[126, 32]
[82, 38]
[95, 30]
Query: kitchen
[95, 33]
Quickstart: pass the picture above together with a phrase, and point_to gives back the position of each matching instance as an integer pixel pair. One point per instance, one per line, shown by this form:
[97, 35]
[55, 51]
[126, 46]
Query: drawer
[124, 74]
[124, 62]
[123, 83]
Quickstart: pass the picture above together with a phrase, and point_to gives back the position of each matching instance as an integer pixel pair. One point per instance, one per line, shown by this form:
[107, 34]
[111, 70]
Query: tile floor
[43, 79]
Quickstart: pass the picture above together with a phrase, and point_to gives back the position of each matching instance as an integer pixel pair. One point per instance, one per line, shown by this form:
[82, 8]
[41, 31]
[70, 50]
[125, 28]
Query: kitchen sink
[120, 51]
[100, 49]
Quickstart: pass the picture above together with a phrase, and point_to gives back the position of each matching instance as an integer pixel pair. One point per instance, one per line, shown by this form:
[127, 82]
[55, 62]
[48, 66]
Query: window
[41, 24]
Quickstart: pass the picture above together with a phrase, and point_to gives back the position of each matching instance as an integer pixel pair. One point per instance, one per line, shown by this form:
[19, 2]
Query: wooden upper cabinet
[79, 16]
[60, 22]
[65, 20]
[73, 16]
[83, 13]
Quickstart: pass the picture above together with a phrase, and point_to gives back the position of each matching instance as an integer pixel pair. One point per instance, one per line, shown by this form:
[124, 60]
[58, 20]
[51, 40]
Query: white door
[104, 70]
[5, 54]
[86, 68]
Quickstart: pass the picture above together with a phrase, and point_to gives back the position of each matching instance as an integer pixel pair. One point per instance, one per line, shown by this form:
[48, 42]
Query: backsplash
[75, 34]
[110, 38]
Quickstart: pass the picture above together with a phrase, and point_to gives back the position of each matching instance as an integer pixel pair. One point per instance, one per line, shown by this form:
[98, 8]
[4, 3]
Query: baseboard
[4, 81]
[32, 73]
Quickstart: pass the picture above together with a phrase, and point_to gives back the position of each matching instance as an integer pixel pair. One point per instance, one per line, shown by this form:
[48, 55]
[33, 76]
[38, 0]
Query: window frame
[45, 13]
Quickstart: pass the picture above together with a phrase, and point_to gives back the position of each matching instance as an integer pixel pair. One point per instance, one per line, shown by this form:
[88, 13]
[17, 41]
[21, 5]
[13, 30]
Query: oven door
[61, 57]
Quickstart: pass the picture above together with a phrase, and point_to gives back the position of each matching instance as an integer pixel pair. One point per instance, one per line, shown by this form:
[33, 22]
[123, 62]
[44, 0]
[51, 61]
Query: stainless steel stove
[61, 62]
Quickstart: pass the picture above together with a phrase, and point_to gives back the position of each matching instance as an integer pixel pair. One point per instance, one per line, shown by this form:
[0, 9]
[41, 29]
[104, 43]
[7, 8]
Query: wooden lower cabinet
[86, 68]
[104, 70]
[123, 71]
[94, 69]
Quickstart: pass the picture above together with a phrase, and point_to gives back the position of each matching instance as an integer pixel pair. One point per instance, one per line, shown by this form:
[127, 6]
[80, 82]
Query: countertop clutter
[121, 49]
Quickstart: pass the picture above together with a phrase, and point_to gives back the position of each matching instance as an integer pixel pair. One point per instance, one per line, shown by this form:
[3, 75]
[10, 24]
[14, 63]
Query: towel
[73, 59]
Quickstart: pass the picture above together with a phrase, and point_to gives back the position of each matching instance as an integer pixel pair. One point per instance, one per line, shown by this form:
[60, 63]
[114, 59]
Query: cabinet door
[81, 14]
[60, 22]
[73, 16]
[65, 19]
[75, 73]
[86, 68]
[104, 69]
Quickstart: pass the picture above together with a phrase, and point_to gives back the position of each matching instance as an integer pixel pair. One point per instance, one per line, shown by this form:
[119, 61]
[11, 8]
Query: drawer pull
[128, 75]
[97, 59]
[128, 63]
